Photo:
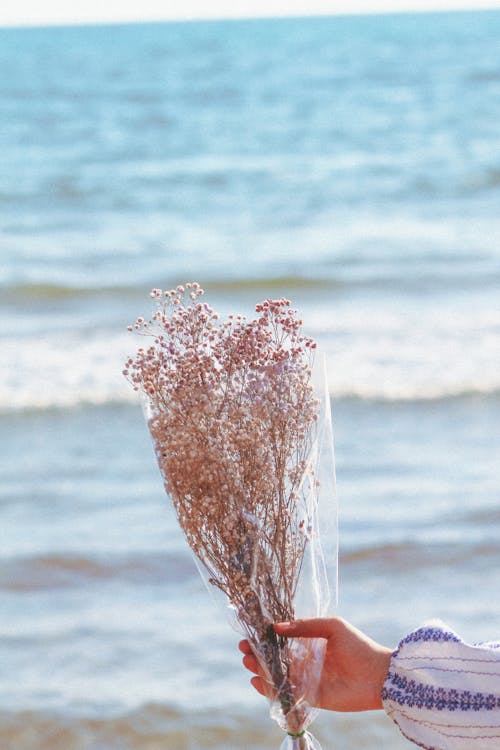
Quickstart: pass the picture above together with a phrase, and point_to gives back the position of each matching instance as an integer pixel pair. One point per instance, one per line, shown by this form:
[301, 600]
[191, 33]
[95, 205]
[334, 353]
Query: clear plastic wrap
[240, 419]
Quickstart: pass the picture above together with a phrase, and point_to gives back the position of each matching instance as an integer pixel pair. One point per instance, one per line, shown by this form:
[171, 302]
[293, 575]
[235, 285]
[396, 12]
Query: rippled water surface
[351, 164]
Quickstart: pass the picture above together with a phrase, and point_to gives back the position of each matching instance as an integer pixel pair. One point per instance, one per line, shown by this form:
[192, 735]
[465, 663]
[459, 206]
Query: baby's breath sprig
[232, 416]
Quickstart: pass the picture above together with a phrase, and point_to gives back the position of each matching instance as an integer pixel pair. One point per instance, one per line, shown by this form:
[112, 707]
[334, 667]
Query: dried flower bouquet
[241, 436]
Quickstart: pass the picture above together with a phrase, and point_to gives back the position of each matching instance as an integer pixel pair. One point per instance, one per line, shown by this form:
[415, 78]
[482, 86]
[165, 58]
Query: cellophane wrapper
[292, 667]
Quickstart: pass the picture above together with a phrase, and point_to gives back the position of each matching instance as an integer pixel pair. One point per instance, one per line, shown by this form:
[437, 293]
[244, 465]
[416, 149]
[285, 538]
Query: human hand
[354, 667]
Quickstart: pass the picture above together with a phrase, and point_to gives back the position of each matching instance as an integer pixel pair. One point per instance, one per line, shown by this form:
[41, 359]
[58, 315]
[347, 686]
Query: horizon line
[258, 17]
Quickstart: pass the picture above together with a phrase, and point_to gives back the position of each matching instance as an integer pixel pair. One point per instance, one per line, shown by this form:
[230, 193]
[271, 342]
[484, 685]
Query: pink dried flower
[232, 416]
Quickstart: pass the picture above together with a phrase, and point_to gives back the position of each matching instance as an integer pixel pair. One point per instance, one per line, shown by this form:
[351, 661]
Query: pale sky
[43, 12]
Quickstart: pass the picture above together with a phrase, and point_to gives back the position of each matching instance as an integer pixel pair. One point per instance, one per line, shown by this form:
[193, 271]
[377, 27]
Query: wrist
[380, 668]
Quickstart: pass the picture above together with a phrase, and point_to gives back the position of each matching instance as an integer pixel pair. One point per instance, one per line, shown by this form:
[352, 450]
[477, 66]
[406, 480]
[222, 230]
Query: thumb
[317, 627]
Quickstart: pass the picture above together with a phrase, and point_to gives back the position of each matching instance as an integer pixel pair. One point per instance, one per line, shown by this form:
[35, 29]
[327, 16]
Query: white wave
[411, 353]
[64, 370]
[388, 354]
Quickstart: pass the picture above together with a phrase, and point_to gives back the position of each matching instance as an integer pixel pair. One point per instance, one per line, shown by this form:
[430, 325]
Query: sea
[351, 164]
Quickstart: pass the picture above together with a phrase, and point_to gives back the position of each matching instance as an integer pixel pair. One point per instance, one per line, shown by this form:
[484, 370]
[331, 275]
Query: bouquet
[241, 437]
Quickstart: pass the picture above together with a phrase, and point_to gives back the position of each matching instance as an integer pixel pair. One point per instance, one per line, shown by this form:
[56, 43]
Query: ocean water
[351, 164]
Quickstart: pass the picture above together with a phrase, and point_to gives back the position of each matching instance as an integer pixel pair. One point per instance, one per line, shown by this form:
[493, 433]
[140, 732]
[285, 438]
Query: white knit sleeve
[443, 693]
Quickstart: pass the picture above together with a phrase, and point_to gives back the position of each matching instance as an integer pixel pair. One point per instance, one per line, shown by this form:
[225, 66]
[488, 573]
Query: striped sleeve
[443, 693]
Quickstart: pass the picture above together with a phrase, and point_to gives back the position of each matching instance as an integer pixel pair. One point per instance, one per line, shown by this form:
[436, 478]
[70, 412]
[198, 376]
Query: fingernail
[283, 625]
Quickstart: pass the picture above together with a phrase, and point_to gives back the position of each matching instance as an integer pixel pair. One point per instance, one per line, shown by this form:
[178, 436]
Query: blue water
[352, 164]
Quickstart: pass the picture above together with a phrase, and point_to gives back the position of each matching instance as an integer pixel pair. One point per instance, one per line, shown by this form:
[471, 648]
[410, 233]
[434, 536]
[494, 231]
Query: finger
[318, 627]
[250, 662]
[244, 646]
[259, 684]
